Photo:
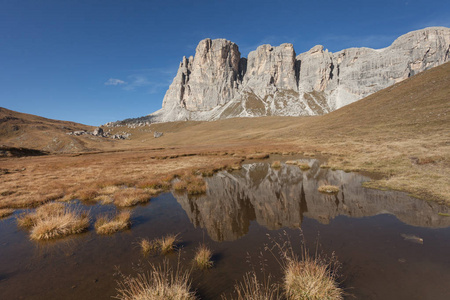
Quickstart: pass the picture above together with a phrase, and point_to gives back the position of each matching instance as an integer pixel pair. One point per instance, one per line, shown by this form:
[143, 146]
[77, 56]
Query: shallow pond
[373, 233]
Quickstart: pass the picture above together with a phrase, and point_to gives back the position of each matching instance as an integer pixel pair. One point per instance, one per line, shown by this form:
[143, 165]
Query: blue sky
[98, 61]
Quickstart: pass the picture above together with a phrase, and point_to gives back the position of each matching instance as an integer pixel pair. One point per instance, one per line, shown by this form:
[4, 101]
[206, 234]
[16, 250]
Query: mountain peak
[218, 83]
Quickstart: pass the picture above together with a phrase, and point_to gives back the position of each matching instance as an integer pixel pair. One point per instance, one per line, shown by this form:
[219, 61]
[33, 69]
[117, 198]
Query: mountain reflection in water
[282, 197]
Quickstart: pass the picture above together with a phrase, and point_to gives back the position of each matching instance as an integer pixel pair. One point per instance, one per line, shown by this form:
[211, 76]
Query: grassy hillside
[29, 131]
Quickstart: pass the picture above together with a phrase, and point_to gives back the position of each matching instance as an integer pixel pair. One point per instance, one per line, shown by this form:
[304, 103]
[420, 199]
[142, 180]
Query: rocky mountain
[283, 197]
[218, 83]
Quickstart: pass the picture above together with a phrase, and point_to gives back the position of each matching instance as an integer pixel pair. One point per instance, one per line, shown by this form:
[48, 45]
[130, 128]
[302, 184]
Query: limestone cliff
[217, 83]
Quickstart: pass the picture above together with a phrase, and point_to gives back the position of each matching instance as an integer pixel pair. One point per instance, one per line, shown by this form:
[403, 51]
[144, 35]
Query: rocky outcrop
[283, 197]
[217, 83]
[98, 132]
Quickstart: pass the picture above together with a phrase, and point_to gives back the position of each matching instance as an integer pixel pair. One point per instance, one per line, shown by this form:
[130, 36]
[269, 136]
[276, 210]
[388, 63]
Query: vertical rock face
[270, 68]
[218, 83]
[207, 80]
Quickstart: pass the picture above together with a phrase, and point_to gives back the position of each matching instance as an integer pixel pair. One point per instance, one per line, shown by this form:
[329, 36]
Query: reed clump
[163, 245]
[155, 184]
[130, 197]
[161, 283]
[310, 279]
[107, 224]
[303, 166]
[167, 243]
[87, 194]
[305, 276]
[258, 156]
[203, 257]
[54, 220]
[147, 246]
[328, 189]
[276, 164]
[5, 212]
[193, 185]
[253, 289]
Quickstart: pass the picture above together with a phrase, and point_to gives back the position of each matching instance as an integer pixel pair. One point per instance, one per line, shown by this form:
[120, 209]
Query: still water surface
[373, 233]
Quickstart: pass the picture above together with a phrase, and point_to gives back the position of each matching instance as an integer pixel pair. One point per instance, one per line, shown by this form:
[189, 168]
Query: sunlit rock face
[277, 198]
[218, 83]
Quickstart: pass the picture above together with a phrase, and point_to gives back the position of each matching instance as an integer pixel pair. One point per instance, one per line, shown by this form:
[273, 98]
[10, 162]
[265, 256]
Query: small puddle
[391, 246]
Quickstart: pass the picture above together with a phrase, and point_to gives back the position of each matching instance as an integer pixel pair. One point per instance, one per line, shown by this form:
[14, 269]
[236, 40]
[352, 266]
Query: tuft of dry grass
[310, 279]
[163, 245]
[180, 185]
[130, 197]
[167, 243]
[26, 220]
[303, 166]
[29, 219]
[54, 220]
[107, 224]
[147, 246]
[306, 277]
[4, 212]
[87, 194]
[194, 185]
[156, 184]
[253, 289]
[258, 156]
[161, 283]
[203, 257]
[328, 189]
[276, 164]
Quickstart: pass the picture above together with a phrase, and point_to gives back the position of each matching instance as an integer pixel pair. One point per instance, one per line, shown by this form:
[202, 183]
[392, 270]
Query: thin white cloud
[137, 81]
[114, 81]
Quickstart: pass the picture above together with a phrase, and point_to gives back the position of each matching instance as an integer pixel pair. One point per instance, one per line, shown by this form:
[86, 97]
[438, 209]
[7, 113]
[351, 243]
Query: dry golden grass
[107, 224]
[192, 184]
[54, 220]
[155, 184]
[203, 257]
[130, 197]
[63, 177]
[258, 156]
[310, 279]
[5, 212]
[147, 246]
[276, 164]
[87, 194]
[328, 189]
[306, 277]
[180, 185]
[167, 243]
[303, 166]
[163, 245]
[162, 283]
[30, 219]
[253, 289]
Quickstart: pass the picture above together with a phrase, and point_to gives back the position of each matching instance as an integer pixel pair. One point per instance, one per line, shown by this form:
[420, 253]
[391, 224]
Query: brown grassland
[401, 133]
